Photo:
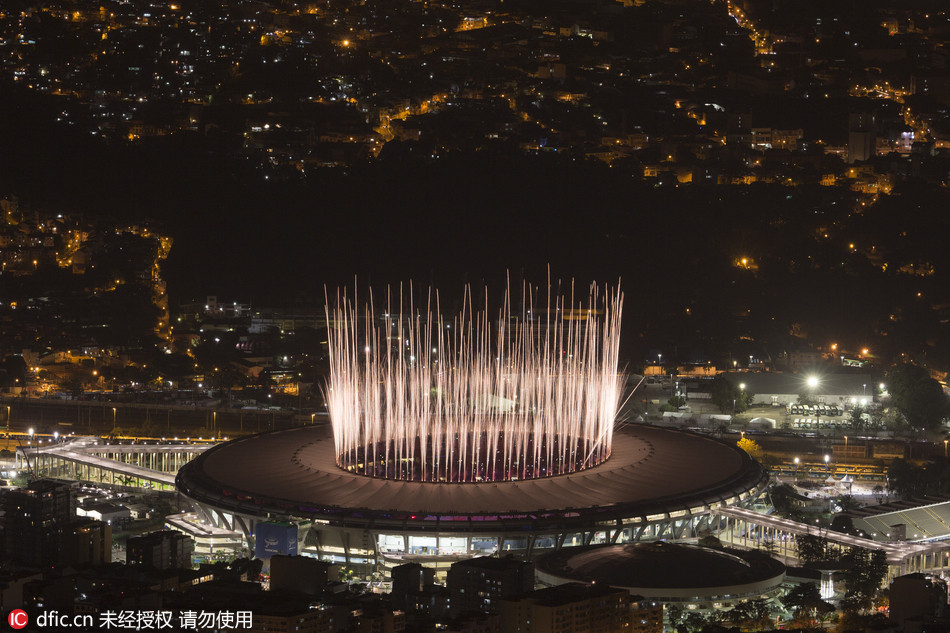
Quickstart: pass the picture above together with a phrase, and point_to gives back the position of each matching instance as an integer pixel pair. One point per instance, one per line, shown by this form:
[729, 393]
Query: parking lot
[813, 411]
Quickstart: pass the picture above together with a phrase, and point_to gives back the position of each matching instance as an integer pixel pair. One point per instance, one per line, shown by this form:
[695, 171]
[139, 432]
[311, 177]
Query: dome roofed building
[686, 575]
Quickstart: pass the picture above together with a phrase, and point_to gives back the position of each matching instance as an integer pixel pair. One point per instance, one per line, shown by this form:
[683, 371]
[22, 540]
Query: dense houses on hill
[724, 93]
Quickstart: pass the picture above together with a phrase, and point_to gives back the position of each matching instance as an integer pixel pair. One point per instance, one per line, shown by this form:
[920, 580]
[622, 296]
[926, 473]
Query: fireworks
[531, 393]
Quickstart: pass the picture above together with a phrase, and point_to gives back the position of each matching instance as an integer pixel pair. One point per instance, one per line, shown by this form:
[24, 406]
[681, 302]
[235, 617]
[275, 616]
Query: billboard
[275, 538]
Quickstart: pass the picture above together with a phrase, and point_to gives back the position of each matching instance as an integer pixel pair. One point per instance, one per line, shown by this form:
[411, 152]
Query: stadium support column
[345, 538]
[617, 531]
[375, 553]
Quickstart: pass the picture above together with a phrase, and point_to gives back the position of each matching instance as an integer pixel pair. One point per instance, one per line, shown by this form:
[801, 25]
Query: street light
[813, 385]
[736, 398]
[113, 419]
[945, 447]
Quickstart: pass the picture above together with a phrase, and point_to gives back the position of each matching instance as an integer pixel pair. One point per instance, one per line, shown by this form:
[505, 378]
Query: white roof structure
[924, 519]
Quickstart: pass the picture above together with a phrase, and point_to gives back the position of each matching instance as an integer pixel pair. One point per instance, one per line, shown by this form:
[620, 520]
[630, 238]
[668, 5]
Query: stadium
[658, 483]
[511, 449]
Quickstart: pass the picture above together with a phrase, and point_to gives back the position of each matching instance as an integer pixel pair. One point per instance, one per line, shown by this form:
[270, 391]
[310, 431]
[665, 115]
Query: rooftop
[924, 518]
[796, 383]
[660, 565]
[650, 471]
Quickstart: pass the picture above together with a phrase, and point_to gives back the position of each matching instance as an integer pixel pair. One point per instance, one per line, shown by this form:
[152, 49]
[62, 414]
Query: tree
[769, 461]
[217, 350]
[878, 418]
[847, 502]
[804, 600]
[851, 620]
[695, 621]
[74, 386]
[710, 541]
[844, 524]
[918, 397]
[677, 401]
[909, 480]
[129, 313]
[149, 428]
[752, 614]
[879, 493]
[903, 478]
[225, 378]
[750, 447]
[14, 369]
[864, 573]
[722, 393]
[726, 395]
[812, 550]
[856, 419]
[782, 496]
[674, 616]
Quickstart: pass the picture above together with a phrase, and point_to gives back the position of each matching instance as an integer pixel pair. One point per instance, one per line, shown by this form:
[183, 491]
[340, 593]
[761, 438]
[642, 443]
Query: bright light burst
[533, 393]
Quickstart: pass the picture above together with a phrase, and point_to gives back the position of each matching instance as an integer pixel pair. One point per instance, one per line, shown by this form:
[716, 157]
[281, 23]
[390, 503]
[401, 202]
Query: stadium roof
[924, 518]
[660, 565]
[651, 470]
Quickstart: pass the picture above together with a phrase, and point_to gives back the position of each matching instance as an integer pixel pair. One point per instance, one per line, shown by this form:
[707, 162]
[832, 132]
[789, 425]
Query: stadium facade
[657, 484]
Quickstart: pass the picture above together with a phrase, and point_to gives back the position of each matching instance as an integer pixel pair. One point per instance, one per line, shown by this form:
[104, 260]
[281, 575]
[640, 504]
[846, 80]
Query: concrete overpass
[748, 528]
[92, 459]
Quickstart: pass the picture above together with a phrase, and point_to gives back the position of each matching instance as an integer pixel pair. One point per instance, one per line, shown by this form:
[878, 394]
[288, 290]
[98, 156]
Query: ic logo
[18, 618]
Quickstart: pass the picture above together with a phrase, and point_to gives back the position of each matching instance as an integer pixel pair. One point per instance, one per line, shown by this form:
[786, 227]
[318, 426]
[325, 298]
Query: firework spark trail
[414, 397]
